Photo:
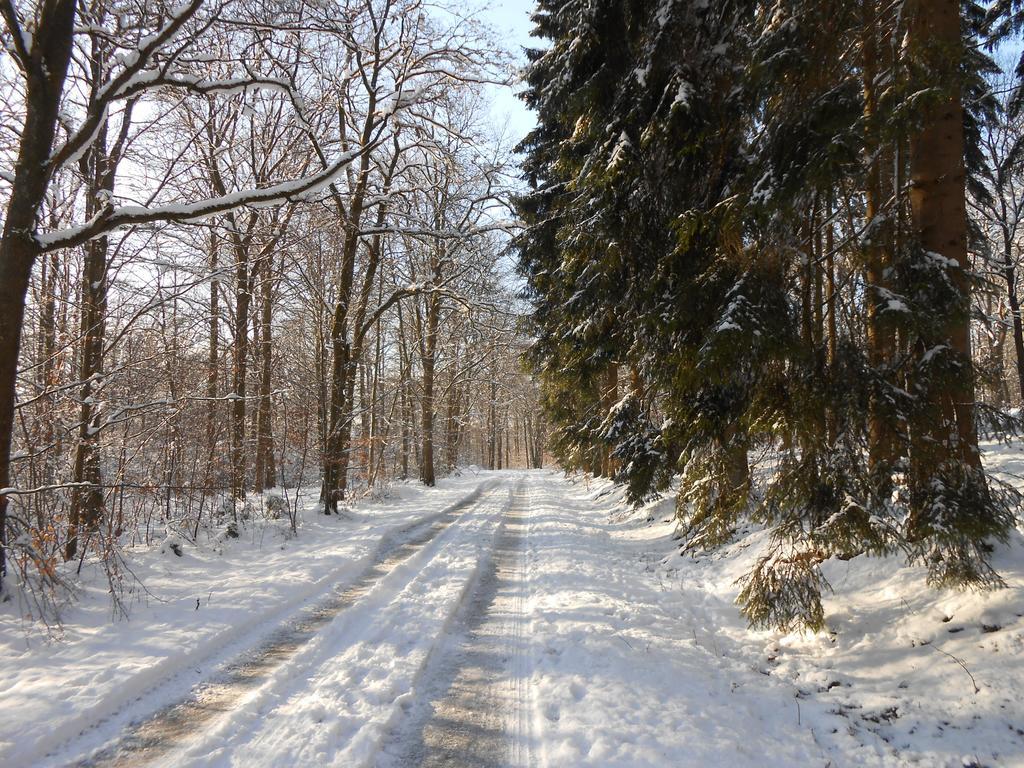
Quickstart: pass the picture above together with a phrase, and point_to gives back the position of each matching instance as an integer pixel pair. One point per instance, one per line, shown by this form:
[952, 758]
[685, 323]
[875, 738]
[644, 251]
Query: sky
[510, 19]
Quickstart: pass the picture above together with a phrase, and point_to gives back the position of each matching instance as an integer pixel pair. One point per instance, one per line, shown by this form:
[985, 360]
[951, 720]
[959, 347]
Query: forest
[770, 250]
[773, 251]
[613, 383]
[246, 245]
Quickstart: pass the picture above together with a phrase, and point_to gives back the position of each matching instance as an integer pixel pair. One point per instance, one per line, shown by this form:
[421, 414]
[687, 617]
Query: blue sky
[511, 20]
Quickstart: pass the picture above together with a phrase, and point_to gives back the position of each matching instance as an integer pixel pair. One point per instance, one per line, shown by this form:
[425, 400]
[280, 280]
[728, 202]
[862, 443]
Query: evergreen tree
[719, 206]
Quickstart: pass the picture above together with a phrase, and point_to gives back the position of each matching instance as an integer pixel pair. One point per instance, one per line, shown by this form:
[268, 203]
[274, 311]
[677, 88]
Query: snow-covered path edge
[643, 659]
[623, 677]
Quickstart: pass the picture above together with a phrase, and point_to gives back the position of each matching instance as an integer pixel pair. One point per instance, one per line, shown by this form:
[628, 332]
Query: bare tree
[156, 51]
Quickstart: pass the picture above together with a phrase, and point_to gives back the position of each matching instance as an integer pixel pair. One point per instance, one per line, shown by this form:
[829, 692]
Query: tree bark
[86, 509]
[46, 66]
[364, 417]
[213, 356]
[265, 473]
[453, 428]
[405, 379]
[1013, 300]
[99, 168]
[349, 329]
[239, 364]
[429, 360]
[46, 379]
[492, 419]
[499, 451]
[883, 445]
[939, 215]
[609, 397]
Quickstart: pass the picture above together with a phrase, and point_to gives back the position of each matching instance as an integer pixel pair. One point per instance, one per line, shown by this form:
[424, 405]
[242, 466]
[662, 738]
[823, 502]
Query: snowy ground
[511, 618]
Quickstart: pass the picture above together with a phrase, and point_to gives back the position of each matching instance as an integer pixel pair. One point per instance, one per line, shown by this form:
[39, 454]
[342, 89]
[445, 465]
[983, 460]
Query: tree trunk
[404, 383]
[492, 421]
[345, 357]
[498, 452]
[265, 473]
[806, 282]
[883, 447]
[364, 418]
[832, 333]
[407, 417]
[334, 446]
[508, 445]
[453, 429]
[46, 70]
[375, 413]
[17, 253]
[995, 324]
[939, 214]
[430, 346]
[98, 167]
[46, 378]
[736, 465]
[347, 422]
[240, 362]
[609, 397]
[1010, 273]
[241, 243]
[86, 507]
[323, 392]
[213, 356]
[818, 301]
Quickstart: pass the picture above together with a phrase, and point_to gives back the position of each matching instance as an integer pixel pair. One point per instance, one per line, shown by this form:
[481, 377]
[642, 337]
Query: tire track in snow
[523, 734]
[473, 708]
[154, 736]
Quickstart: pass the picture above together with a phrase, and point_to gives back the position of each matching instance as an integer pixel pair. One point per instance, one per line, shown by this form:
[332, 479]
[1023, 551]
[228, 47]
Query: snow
[683, 95]
[630, 653]
[149, 78]
[112, 218]
[364, 667]
[943, 261]
[406, 97]
[627, 671]
[664, 12]
[246, 587]
[933, 352]
[619, 151]
[884, 684]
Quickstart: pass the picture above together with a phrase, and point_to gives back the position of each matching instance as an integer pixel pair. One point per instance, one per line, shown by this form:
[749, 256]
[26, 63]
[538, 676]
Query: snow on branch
[131, 80]
[113, 217]
[155, 78]
[443, 234]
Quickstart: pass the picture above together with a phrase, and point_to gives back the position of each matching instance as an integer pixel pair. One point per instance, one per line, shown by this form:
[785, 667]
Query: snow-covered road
[504, 619]
[380, 584]
[473, 706]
